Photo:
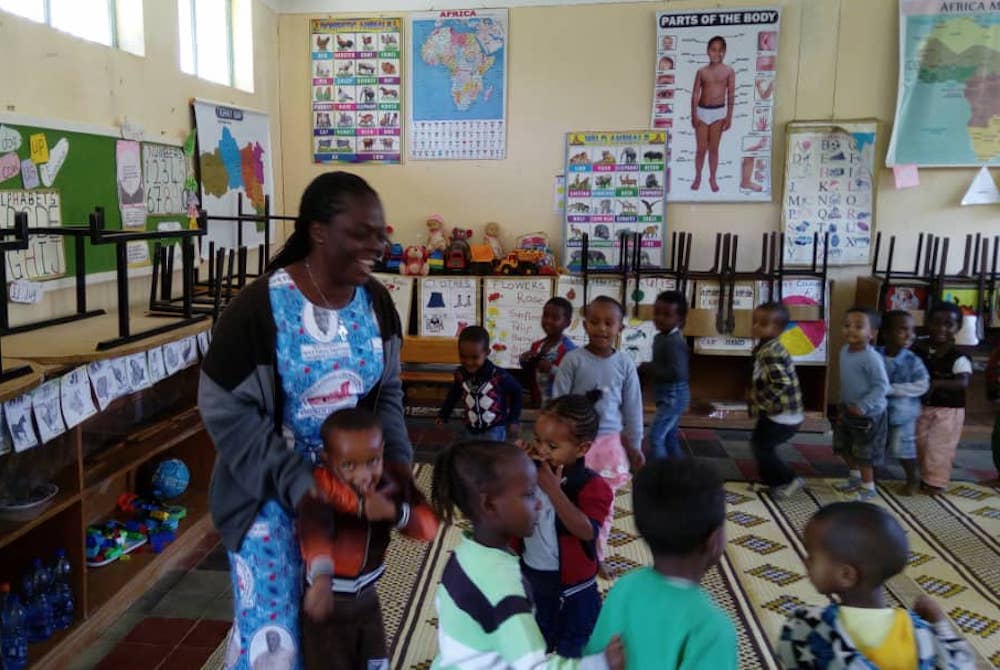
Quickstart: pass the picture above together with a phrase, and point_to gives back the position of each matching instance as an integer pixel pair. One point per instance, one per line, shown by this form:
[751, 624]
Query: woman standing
[315, 334]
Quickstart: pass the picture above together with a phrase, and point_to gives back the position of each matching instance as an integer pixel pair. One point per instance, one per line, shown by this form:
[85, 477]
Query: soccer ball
[170, 479]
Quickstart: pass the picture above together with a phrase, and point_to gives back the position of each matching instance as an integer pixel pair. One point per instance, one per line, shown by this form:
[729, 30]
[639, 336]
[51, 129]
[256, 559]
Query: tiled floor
[179, 622]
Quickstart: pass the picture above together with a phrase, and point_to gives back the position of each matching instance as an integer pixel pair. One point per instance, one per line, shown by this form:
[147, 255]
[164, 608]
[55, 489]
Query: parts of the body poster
[615, 183]
[714, 91]
[356, 90]
[829, 189]
[457, 77]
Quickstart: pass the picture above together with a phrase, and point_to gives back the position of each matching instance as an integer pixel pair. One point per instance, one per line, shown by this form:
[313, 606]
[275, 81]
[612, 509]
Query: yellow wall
[51, 75]
[591, 67]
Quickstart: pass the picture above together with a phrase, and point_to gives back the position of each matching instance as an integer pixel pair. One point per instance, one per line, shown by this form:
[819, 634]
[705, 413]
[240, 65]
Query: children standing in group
[545, 355]
[909, 382]
[484, 610]
[993, 395]
[491, 398]
[939, 427]
[665, 619]
[600, 366]
[344, 537]
[775, 400]
[854, 548]
[670, 374]
[559, 559]
[859, 433]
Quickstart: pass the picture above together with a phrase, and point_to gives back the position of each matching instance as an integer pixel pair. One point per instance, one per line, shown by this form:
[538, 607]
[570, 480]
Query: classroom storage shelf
[111, 453]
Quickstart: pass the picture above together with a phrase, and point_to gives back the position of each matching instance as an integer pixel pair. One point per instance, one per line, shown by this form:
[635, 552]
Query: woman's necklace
[326, 303]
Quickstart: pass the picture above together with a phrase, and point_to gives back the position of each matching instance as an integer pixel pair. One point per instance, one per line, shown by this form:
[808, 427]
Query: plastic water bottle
[61, 592]
[39, 609]
[13, 637]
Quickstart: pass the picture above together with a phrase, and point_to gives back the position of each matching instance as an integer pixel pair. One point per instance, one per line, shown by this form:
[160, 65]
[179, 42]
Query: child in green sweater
[665, 620]
[485, 613]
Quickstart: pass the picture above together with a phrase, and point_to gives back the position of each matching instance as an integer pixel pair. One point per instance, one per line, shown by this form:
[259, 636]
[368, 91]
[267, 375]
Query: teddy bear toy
[414, 261]
[436, 239]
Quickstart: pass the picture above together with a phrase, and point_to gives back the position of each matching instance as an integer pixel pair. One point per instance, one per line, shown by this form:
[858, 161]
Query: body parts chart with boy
[513, 317]
[615, 183]
[356, 92]
[829, 188]
[714, 92]
[447, 305]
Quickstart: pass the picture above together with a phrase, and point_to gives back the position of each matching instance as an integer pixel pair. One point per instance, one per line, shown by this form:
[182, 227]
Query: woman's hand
[614, 654]
[928, 609]
[378, 507]
[318, 602]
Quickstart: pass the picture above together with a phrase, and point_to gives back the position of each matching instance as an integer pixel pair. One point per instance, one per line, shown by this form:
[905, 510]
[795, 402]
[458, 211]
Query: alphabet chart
[44, 258]
[446, 305]
[829, 188]
[514, 309]
[356, 90]
[615, 183]
[571, 288]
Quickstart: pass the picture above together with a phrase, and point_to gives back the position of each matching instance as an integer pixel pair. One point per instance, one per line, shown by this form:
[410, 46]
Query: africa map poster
[355, 90]
[948, 99]
[234, 155]
[457, 84]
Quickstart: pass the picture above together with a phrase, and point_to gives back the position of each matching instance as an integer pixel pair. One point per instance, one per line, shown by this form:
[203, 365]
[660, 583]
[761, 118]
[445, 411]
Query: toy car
[520, 262]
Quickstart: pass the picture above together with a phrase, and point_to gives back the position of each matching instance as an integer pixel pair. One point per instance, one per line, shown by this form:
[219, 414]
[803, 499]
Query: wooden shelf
[38, 651]
[128, 578]
[76, 342]
[19, 385]
[12, 530]
[139, 447]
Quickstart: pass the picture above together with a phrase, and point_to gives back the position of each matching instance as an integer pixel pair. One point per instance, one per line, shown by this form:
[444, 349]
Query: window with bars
[114, 23]
[216, 40]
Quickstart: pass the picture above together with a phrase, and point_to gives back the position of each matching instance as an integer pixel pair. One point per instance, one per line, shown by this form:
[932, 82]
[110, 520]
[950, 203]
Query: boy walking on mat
[775, 400]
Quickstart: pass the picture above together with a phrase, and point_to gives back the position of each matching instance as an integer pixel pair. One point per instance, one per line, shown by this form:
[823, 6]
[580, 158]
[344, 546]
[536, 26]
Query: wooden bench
[429, 360]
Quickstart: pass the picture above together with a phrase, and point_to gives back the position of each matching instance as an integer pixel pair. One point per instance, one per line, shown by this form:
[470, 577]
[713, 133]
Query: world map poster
[948, 102]
[234, 156]
[457, 64]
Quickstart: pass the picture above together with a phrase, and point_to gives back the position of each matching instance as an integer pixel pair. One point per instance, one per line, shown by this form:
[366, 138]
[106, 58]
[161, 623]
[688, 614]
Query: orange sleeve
[339, 495]
[316, 535]
[422, 523]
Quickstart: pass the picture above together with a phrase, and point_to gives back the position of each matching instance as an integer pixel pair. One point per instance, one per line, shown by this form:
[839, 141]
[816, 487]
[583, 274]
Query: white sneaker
[851, 484]
[786, 491]
[866, 495]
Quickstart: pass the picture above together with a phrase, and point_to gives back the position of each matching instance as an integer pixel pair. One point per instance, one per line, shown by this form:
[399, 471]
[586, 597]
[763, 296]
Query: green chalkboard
[87, 179]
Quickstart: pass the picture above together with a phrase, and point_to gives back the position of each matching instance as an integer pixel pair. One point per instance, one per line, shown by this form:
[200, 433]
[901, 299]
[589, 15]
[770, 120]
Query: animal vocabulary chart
[356, 90]
[447, 305]
[829, 188]
[514, 315]
[615, 183]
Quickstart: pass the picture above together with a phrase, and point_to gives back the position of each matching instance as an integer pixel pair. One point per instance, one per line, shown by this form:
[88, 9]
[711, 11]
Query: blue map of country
[230, 152]
[437, 84]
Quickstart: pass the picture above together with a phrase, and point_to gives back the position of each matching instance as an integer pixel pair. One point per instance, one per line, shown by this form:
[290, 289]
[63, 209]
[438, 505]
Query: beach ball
[170, 479]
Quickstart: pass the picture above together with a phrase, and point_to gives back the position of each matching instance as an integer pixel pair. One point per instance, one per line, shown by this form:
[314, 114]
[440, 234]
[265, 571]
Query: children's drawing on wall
[45, 402]
[906, 297]
[447, 305]
[77, 404]
[17, 413]
[714, 87]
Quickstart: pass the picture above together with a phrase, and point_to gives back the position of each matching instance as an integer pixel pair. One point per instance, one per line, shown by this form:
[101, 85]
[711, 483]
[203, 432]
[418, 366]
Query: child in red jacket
[344, 539]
